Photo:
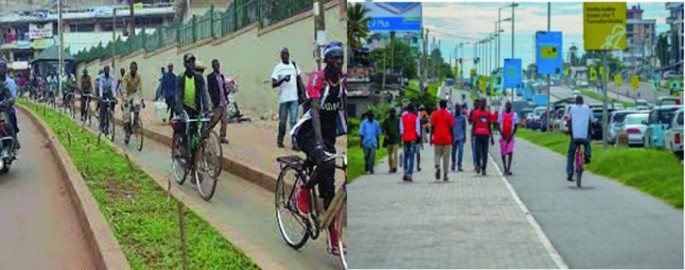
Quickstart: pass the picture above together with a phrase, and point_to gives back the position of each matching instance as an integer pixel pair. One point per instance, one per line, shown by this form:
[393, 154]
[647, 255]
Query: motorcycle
[8, 152]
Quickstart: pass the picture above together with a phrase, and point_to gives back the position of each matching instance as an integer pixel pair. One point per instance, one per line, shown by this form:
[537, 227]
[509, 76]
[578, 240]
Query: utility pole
[114, 39]
[319, 30]
[549, 21]
[132, 19]
[60, 29]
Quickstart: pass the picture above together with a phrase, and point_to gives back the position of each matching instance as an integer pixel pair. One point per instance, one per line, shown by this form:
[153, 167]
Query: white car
[634, 126]
[673, 138]
[577, 93]
[615, 120]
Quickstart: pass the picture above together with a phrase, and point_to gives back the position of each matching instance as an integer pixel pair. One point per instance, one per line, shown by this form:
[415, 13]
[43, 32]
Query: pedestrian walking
[508, 120]
[169, 89]
[459, 131]
[370, 131]
[495, 119]
[159, 91]
[284, 77]
[442, 136]
[216, 86]
[391, 140]
[476, 107]
[410, 131]
[481, 132]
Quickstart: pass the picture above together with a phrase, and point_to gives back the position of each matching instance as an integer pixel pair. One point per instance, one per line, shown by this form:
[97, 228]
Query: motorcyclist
[8, 94]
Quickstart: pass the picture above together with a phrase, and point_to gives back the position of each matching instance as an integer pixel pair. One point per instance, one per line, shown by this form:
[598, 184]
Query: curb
[238, 168]
[104, 246]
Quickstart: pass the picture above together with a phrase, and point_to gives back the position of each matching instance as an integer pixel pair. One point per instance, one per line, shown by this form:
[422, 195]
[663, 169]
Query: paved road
[245, 211]
[603, 225]
[39, 228]
[469, 222]
[625, 92]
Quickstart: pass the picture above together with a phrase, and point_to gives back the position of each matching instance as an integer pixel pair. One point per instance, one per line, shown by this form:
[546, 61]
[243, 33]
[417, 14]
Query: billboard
[37, 31]
[604, 26]
[548, 54]
[394, 16]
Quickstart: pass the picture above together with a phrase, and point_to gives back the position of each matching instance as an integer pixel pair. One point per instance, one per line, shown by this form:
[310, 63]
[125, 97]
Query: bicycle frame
[336, 203]
[109, 111]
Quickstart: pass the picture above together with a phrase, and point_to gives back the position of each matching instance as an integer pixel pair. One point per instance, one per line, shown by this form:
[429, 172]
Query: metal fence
[213, 24]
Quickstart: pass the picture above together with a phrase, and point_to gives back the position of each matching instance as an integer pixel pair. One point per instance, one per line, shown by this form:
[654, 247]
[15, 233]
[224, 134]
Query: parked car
[634, 126]
[641, 103]
[670, 75]
[525, 114]
[577, 93]
[673, 138]
[665, 100]
[596, 124]
[582, 83]
[615, 119]
[618, 106]
[537, 117]
[660, 118]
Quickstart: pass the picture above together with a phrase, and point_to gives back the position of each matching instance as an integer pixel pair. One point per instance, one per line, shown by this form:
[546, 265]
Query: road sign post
[604, 29]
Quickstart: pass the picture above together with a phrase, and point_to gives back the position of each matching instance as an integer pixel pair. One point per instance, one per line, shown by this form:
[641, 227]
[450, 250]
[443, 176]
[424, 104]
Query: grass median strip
[656, 172]
[143, 219]
[600, 97]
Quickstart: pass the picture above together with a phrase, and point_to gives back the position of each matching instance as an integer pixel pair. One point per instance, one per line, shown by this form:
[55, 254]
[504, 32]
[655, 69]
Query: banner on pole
[618, 81]
[512, 73]
[549, 56]
[604, 26]
[635, 82]
[593, 74]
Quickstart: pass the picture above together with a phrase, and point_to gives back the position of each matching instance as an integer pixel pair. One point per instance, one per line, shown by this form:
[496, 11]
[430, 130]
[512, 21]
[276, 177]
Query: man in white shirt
[580, 117]
[284, 77]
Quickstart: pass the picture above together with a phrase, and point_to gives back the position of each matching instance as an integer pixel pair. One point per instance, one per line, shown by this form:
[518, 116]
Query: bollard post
[181, 225]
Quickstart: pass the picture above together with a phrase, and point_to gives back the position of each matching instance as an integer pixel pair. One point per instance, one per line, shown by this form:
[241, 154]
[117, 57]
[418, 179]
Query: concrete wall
[250, 56]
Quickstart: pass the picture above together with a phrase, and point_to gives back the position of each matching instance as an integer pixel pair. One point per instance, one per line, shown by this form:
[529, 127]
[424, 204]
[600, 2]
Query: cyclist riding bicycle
[106, 91]
[86, 89]
[192, 99]
[315, 133]
[8, 94]
[68, 86]
[579, 117]
[52, 85]
[133, 97]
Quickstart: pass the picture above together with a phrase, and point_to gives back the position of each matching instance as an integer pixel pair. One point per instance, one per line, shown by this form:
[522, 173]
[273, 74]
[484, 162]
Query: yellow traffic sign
[635, 82]
[593, 74]
[482, 81]
[456, 71]
[618, 81]
[568, 71]
[601, 70]
[473, 72]
[604, 26]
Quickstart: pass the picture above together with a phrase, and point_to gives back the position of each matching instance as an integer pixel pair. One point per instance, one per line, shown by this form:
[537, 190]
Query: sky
[454, 23]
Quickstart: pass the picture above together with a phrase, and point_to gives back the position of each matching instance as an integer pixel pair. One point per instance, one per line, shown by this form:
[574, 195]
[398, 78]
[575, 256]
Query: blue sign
[548, 55]
[519, 91]
[528, 94]
[394, 16]
[512, 73]
[540, 100]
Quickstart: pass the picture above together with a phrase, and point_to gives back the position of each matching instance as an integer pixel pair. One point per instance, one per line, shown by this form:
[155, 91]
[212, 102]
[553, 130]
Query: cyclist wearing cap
[133, 97]
[316, 132]
[191, 94]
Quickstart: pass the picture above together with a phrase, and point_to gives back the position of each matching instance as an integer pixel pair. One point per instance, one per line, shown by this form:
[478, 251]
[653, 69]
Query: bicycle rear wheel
[579, 174]
[178, 162]
[110, 125]
[292, 226]
[579, 166]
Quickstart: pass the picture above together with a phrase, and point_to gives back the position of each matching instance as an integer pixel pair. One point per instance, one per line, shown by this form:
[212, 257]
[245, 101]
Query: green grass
[656, 172]
[355, 156]
[432, 87]
[599, 97]
[143, 219]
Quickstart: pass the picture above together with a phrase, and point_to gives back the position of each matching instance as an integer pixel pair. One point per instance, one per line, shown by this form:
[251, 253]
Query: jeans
[102, 109]
[408, 152]
[482, 150]
[571, 155]
[285, 109]
[473, 151]
[369, 158]
[457, 147]
[170, 103]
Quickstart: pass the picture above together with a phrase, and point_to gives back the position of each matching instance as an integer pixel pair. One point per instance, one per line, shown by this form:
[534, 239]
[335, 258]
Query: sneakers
[477, 170]
[587, 160]
[437, 173]
[280, 145]
[460, 170]
[569, 177]
[445, 178]
[333, 239]
[303, 201]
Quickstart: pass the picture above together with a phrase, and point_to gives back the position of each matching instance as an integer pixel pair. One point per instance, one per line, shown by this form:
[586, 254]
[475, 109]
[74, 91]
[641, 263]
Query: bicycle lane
[37, 218]
[603, 225]
[240, 210]
[468, 222]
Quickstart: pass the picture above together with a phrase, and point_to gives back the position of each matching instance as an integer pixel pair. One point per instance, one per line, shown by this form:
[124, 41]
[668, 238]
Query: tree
[662, 49]
[357, 24]
[404, 58]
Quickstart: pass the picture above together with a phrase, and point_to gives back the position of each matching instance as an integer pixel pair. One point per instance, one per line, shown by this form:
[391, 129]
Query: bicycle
[109, 128]
[51, 100]
[205, 158]
[70, 105]
[135, 129]
[579, 160]
[86, 107]
[296, 172]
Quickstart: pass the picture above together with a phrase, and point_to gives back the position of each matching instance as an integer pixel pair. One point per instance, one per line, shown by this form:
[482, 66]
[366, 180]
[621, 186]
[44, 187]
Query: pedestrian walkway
[468, 222]
[605, 224]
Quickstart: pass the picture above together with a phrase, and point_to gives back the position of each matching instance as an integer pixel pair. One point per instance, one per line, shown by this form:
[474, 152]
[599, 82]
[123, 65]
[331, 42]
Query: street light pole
[513, 5]
[549, 13]
[61, 44]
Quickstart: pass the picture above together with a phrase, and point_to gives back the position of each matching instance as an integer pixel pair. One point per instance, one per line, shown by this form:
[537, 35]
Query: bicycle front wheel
[292, 226]
[341, 226]
[178, 162]
[137, 132]
[214, 154]
[206, 183]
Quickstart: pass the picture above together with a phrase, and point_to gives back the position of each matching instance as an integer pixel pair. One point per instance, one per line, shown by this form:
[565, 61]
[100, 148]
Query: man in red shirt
[410, 132]
[508, 120]
[476, 105]
[442, 123]
[481, 132]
